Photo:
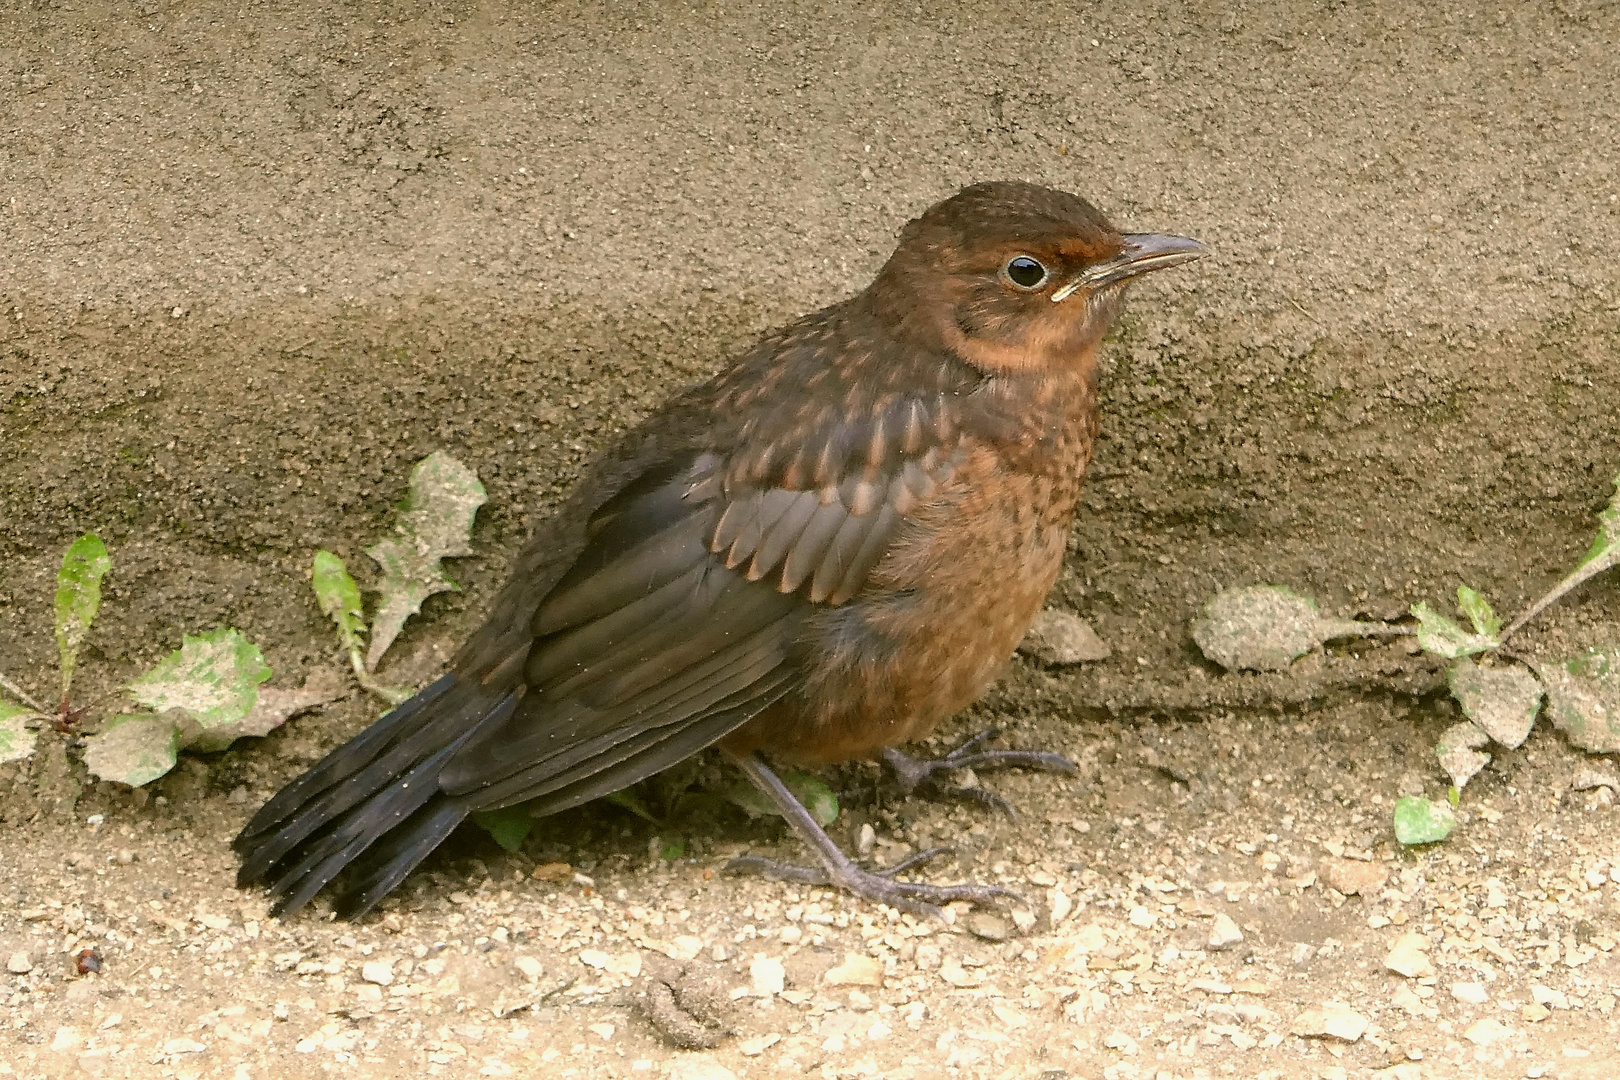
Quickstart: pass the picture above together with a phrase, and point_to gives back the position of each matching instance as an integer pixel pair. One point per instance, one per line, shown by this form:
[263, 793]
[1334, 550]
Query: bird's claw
[913, 773]
[916, 897]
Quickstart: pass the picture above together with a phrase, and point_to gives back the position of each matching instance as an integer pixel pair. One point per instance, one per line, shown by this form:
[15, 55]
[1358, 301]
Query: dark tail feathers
[374, 802]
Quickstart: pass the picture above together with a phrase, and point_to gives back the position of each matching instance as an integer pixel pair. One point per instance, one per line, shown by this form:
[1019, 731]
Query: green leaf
[1479, 612]
[672, 850]
[1502, 700]
[1459, 752]
[212, 679]
[17, 740]
[1606, 544]
[133, 750]
[1268, 627]
[629, 799]
[274, 707]
[78, 596]
[1603, 554]
[1583, 699]
[508, 825]
[435, 524]
[339, 598]
[1419, 821]
[1444, 638]
[814, 795]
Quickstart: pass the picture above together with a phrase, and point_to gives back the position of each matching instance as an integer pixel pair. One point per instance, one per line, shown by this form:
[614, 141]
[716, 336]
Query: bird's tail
[375, 802]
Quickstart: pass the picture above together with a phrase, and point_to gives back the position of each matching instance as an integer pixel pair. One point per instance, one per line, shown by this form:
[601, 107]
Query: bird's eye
[1025, 272]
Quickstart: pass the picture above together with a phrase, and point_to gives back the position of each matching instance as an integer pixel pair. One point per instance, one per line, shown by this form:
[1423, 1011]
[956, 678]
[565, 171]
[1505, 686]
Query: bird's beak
[1144, 253]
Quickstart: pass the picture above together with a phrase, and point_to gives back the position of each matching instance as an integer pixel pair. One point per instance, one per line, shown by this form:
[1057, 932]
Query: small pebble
[529, 967]
[380, 972]
[758, 1045]
[1353, 877]
[1487, 1031]
[1223, 933]
[767, 975]
[990, 927]
[856, 970]
[1409, 957]
[1472, 993]
[1330, 1021]
[1061, 638]
[19, 963]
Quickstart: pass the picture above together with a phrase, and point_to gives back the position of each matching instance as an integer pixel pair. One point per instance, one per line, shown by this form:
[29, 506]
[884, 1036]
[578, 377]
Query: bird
[817, 555]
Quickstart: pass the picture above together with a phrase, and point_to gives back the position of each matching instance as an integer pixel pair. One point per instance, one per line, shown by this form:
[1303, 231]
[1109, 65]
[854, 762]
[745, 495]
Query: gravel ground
[261, 257]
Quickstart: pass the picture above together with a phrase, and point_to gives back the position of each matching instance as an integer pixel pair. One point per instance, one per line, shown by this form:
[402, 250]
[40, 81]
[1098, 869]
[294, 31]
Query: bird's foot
[917, 897]
[836, 868]
[914, 773]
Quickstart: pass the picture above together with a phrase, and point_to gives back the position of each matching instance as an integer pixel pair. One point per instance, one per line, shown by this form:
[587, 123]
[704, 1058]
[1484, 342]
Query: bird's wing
[678, 622]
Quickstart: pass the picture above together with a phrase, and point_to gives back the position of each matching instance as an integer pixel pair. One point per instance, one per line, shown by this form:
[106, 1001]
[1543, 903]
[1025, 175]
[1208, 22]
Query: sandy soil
[261, 257]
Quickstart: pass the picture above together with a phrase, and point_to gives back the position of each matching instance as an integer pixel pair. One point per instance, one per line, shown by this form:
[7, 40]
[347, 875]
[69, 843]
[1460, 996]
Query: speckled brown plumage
[822, 552]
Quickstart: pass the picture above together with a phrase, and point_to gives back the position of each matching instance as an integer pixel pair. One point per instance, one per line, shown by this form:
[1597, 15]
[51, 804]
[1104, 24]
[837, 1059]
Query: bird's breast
[944, 612]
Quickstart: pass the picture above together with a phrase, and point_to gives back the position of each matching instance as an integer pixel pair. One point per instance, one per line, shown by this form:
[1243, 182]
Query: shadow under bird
[819, 554]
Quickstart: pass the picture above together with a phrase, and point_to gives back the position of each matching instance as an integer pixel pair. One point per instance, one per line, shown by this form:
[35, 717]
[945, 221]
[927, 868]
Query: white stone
[1552, 999]
[1487, 1031]
[758, 1045]
[767, 975]
[856, 970]
[684, 947]
[1406, 959]
[1223, 932]
[183, 1046]
[1332, 1021]
[380, 972]
[1472, 993]
[625, 963]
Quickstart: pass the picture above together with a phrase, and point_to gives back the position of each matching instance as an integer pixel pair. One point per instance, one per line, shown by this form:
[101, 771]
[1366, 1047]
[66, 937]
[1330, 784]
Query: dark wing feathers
[352, 834]
[812, 542]
[340, 764]
[674, 619]
[629, 683]
[582, 596]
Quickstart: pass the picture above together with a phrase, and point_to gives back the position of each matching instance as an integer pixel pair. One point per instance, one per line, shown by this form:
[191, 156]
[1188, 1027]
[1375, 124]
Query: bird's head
[1015, 277]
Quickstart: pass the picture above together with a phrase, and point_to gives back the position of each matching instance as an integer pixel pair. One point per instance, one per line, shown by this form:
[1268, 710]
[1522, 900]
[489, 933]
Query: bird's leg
[837, 868]
[918, 772]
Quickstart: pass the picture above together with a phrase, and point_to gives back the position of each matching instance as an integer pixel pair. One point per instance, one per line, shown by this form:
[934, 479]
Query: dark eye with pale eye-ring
[1025, 272]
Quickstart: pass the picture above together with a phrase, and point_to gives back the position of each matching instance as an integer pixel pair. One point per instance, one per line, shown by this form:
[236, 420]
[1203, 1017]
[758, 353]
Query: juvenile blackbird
[818, 554]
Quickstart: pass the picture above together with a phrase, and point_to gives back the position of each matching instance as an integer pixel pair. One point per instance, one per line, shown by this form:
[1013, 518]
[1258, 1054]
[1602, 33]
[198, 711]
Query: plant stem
[1577, 577]
[391, 694]
[20, 694]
